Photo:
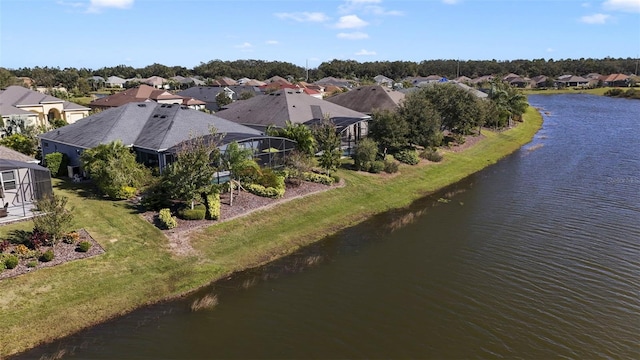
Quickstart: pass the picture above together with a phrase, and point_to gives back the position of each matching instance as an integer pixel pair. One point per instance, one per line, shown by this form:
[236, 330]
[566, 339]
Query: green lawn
[596, 91]
[138, 269]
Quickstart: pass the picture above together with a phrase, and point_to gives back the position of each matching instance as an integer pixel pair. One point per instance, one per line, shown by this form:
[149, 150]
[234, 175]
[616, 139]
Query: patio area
[18, 212]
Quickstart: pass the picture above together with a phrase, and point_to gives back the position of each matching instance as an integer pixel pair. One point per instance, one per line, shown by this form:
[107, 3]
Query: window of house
[8, 179]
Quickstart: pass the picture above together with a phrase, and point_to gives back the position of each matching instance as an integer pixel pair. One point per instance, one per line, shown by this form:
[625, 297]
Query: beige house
[37, 109]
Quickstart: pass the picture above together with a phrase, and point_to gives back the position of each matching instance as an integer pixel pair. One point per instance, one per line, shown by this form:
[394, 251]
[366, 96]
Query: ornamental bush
[83, 246]
[376, 167]
[431, 155]
[10, 261]
[317, 178]
[167, 221]
[47, 256]
[57, 163]
[212, 202]
[390, 166]
[126, 192]
[197, 213]
[408, 157]
[269, 192]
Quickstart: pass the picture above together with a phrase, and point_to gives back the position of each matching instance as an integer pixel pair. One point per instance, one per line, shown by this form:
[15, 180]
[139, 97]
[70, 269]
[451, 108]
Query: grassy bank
[569, 90]
[137, 267]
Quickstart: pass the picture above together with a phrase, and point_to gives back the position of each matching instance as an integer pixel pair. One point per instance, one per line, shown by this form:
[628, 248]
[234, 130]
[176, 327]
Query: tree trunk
[230, 192]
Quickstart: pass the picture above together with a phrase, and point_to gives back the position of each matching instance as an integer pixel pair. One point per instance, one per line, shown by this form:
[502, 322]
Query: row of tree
[350, 69]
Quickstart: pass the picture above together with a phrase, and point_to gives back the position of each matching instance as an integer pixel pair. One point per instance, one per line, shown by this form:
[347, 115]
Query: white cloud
[71, 4]
[550, 50]
[272, 42]
[244, 45]
[304, 16]
[595, 19]
[367, 6]
[622, 5]
[353, 36]
[364, 52]
[96, 6]
[350, 22]
[450, 2]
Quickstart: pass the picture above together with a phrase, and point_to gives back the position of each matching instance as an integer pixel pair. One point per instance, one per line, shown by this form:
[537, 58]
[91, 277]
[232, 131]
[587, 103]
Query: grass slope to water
[138, 269]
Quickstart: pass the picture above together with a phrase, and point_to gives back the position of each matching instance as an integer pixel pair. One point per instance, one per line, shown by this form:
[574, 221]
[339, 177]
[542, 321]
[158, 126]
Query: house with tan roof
[616, 80]
[37, 109]
[367, 99]
[145, 93]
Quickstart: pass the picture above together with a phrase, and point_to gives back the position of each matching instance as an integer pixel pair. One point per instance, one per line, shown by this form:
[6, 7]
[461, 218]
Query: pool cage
[23, 184]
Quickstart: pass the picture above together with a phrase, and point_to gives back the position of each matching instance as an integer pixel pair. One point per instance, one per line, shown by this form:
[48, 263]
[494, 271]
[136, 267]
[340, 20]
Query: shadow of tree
[85, 189]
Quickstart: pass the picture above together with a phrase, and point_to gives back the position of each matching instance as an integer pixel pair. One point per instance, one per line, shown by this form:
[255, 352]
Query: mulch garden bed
[62, 251]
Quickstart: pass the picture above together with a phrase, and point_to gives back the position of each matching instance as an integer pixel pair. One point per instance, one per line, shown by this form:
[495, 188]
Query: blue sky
[98, 33]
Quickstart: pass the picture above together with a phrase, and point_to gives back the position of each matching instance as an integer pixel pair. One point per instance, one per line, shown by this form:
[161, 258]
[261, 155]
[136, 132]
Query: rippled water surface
[535, 257]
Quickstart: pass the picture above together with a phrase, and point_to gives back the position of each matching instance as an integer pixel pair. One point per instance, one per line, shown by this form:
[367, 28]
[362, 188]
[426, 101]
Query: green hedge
[270, 192]
[318, 178]
[57, 163]
[167, 221]
[197, 213]
[212, 203]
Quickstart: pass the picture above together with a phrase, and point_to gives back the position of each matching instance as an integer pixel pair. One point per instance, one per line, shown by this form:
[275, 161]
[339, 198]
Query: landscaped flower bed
[30, 257]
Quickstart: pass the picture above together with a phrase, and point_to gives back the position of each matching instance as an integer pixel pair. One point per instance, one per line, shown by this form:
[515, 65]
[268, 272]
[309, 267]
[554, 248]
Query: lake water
[536, 257]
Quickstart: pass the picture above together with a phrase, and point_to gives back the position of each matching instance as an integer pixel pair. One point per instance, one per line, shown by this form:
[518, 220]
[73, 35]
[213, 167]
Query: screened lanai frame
[32, 183]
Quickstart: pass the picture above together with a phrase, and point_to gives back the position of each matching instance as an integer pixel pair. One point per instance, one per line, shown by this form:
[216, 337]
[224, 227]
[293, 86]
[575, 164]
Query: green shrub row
[390, 166]
[212, 203]
[318, 178]
[197, 213]
[269, 192]
[407, 156]
[167, 221]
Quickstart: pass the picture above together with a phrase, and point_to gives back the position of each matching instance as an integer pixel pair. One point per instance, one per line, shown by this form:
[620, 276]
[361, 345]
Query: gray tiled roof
[288, 104]
[146, 125]
[15, 96]
[368, 98]
[208, 93]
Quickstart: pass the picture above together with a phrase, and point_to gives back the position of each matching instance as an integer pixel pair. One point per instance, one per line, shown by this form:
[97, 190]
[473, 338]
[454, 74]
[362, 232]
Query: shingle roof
[148, 125]
[366, 99]
[138, 94]
[278, 107]
[10, 154]
[209, 93]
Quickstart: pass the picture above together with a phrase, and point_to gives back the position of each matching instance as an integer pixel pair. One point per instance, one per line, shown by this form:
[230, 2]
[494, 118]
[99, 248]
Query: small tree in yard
[222, 99]
[329, 144]
[55, 219]
[192, 172]
[365, 155]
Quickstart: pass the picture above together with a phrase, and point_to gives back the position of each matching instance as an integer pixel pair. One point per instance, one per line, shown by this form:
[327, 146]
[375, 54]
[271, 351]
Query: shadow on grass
[85, 189]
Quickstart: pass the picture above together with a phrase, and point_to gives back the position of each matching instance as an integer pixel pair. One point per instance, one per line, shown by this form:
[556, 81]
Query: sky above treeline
[102, 33]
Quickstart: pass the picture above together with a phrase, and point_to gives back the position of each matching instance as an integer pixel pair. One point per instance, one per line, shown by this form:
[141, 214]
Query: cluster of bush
[618, 92]
[30, 247]
[209, 209]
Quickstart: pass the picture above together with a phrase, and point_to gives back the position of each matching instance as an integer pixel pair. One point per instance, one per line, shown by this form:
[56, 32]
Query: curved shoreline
[126, 280]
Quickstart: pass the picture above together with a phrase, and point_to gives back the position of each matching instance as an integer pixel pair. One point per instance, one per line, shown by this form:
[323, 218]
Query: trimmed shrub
[47, 256]
[126, 192]
[376, 167]
[335, 177]
[57, 163]
[32, 264]
[197, 213]
[408, 157]
[431, 155]
[269, 192]
[390, 166]
[365, 155]
[212, 202]
[269, 178]
[11, 261]
[83, 246]
[167, 221]
[317, 178]
[2, 266]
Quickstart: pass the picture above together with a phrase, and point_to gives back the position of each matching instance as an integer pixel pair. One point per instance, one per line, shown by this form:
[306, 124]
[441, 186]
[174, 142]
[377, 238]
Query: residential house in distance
[208, 94]
[37, 109]
[368, 99]
[540, 81]
[224, 81]
[157, 82]
[277, 108]
[571, 81]
[186, 82]
[477, 93]
[154, 132]
[383, 80]
[145, 93]
[115, 82]
[330, 80]
[615, 80]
